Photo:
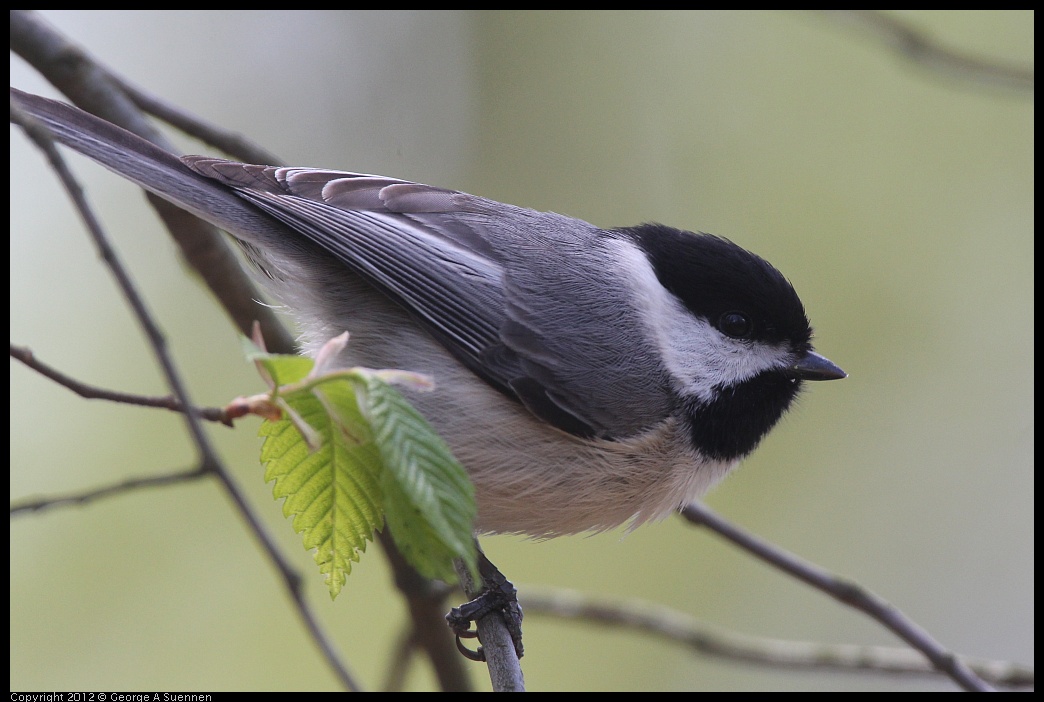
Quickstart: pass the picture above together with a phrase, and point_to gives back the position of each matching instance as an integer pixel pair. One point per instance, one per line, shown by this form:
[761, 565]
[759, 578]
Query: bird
[585, 377]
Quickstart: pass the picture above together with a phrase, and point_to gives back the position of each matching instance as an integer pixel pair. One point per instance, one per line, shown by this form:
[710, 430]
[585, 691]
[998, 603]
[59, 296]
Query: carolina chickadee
[585, 377]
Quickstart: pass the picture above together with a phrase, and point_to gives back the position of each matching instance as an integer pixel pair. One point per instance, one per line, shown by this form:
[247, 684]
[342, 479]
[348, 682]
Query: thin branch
[97, 89]
[232, 143]
[674, 625]
[94, 88]
[92, 392]
[81, 498]
[426, 601]
[403, 654]
[505, 671]
[845, 591]
[209, 462]
[103, 86]
[42, 138]
[920, 48]
[293, 583]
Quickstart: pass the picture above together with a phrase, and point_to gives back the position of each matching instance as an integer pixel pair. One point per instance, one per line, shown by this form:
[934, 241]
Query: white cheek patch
[701, 358]
[698, 357]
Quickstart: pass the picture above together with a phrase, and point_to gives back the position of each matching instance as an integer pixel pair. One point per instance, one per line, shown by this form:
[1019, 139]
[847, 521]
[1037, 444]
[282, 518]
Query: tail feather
[152, 168]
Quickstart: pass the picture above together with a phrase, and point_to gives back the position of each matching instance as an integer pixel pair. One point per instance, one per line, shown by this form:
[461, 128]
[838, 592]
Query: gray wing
[474, 272]
[477, 275]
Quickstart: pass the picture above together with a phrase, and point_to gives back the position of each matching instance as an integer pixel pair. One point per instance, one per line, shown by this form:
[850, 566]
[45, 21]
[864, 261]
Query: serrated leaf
[429, 502]
[369, 456]
[333, 493]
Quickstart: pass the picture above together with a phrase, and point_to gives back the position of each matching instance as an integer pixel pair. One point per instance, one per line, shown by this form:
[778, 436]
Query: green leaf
[333, 493]
[429, 502]
[351, 453]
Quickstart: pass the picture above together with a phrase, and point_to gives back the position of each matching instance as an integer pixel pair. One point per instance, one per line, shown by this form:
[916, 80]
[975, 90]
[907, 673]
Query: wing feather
[474, 274]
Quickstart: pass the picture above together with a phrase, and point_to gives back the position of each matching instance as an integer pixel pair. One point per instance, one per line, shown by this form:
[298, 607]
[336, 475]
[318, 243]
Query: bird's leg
[498, 596]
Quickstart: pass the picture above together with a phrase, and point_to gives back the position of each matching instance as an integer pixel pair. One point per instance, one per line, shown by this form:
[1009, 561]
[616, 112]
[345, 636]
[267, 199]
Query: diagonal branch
[845, 591]
[209, 462]
[680, 627]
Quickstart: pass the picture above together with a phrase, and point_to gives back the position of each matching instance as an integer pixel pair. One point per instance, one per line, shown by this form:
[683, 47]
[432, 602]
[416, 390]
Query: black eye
[735, 324]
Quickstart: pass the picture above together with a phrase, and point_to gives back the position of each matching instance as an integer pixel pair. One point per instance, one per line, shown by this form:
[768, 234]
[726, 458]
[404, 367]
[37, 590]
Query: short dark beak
[812, 366]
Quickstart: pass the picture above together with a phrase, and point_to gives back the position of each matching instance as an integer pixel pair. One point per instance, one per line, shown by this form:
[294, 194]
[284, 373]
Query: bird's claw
[499, 596]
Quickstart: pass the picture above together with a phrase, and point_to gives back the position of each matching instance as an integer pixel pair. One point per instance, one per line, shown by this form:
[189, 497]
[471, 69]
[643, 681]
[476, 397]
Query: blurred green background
[899, 202]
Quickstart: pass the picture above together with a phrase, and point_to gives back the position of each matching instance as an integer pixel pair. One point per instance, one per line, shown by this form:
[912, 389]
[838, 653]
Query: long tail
[152, 168]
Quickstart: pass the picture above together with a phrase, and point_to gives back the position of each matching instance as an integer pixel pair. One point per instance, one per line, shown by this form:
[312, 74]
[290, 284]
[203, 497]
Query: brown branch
[92, 392]
[81, 498]
[96, 89]
[505, 671]
[845, 591]
[426, 601]
[673, 625]
[208, 463]
[920, 48]
[232, 143]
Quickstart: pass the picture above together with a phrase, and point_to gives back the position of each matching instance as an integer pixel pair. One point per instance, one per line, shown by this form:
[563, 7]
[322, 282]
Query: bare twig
[231, 143]
[426, 601]
[81, 498]
[292, 580]
[70, 68]
[92, 392]
[40, 136]
[96, 89]
[920, 48]
[673, 625]
[403, 654]
[208, 461]
[505, 671]
[845, 591]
